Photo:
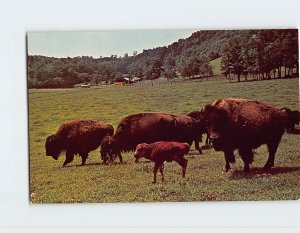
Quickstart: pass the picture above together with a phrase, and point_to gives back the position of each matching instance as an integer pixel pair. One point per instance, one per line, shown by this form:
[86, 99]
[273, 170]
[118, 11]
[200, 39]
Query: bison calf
[159, 152]
[105, 151]
[77, 137]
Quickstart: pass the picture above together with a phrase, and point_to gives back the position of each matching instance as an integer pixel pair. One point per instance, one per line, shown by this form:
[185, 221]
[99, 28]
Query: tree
[205, 69]
[233, 56]
[250, 56]
[139, 73]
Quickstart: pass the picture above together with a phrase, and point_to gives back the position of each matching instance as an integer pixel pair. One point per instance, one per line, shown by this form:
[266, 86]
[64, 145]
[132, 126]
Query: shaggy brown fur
[244, 125]
[77, 137]
[152, 127]
[160, 152]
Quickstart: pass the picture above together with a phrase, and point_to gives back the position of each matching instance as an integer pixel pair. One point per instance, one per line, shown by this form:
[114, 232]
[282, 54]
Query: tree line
[243, 52]
[262, 54]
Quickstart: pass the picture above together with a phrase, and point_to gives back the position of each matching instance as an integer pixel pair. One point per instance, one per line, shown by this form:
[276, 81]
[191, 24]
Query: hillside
[196, 56]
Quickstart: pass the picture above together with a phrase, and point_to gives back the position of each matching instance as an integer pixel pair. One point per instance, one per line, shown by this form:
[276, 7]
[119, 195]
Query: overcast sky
[104, 43]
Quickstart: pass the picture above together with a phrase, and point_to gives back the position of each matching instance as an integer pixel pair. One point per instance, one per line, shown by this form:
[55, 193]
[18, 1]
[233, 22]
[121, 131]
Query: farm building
[135, 79]
[82, 85]
[123, 83]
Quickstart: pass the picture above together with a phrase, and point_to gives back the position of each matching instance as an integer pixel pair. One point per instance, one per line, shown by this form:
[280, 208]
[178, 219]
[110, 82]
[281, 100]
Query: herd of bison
[229, 124]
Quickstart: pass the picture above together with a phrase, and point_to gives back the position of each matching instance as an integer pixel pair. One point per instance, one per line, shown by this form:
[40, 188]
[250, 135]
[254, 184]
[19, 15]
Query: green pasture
[130, 182]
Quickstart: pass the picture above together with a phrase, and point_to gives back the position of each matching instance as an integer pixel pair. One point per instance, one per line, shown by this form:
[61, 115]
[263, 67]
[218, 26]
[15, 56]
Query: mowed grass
[130, 182]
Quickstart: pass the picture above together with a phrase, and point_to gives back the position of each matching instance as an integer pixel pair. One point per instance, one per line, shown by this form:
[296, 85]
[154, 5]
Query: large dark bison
[293, 118]
[160, 152]
[77, 137]
[199, 116]
[152, 127]
[244, 125]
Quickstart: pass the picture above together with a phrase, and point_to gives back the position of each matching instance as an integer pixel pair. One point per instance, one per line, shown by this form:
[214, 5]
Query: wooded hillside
[259, 53]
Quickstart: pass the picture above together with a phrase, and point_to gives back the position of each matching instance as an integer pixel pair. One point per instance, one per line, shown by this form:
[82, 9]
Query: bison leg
[156, 166]
[247, 157]
[69, 159]
[227, 166]
[83, 158]
[104, 157]
[161, 169]
[111, 157]
[272, 147]
[197, 146]
[229, 158]
[183, 163]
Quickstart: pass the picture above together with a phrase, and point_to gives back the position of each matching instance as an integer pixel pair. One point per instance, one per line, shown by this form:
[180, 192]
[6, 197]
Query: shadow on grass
[206, 147]
[196, 152]
[260, 172]
[96, 164]
[143, 161]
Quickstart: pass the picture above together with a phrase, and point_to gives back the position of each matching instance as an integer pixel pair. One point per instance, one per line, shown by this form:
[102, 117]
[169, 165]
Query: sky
[103, 43]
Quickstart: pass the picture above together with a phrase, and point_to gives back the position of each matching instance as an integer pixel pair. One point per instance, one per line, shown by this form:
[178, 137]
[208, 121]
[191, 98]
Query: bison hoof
[153, 182]
[268, 166]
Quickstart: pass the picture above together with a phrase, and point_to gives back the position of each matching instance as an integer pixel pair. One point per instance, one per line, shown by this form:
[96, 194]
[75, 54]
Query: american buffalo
[159, 152]
[293, 118]
[77, 137]
[152, 127]
[244, 125]
[199, 116]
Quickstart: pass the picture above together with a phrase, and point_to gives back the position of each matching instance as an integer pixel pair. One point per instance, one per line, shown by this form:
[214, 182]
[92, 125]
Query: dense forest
[261, 54]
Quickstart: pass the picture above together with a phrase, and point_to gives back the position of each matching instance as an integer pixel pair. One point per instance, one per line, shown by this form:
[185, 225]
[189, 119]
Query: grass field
[216, 66]
[130, 182]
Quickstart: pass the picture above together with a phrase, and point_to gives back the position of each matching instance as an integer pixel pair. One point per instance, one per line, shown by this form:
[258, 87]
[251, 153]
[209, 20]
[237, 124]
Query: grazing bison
[152, 127]
[159, 152]
[293, 118]
[199, 116]
[77, 137]
[244, 125]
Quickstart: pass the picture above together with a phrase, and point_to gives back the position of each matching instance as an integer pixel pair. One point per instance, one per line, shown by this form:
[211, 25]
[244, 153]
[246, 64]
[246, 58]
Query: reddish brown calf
[159, 152]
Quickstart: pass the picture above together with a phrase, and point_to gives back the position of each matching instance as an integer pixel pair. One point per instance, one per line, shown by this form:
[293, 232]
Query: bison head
[53, 146]
[218, 124]
[200, 119]
[141, 150]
